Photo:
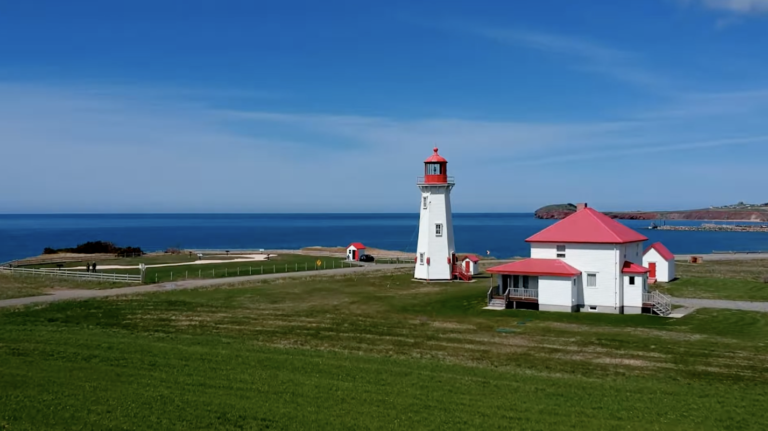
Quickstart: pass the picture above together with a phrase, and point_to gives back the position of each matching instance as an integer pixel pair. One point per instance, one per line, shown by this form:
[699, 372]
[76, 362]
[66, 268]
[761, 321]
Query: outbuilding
[660, 263]
[355, 251]
[470, 264]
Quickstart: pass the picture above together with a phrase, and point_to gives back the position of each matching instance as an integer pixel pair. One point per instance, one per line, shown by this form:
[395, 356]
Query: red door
[652, 268]
[466, 267]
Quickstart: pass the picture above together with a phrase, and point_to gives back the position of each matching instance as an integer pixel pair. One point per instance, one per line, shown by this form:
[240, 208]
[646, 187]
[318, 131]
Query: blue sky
[306, 106]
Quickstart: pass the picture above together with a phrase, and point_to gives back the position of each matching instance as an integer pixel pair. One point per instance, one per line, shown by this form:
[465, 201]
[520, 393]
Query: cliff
[733, 213]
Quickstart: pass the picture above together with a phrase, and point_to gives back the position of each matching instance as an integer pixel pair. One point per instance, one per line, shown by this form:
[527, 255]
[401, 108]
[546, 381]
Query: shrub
[765, 279]
[49, 250]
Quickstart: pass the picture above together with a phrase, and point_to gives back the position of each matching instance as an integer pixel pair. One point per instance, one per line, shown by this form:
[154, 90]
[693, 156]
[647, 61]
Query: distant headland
[737, 212]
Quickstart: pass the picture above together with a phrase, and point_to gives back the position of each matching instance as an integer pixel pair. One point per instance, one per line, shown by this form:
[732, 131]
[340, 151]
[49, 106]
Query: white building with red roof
[355, 251]
[660, 263]
[585, 262]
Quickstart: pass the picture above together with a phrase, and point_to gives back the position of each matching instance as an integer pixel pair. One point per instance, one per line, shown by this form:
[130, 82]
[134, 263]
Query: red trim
[427, 261]
[661, 249]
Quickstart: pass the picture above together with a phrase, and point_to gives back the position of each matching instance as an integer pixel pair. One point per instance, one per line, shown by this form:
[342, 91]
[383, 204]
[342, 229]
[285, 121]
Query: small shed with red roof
[585, 262]
[355, 251]
[660, 263]
[470, 264]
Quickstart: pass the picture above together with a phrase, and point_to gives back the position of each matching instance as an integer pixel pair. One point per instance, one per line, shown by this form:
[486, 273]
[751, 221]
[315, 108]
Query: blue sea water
[503, 234]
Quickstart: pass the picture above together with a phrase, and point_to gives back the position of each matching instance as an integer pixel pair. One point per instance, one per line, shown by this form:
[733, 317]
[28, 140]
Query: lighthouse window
[433, 169]
[421, 258]
[426, 201]
[439, 229]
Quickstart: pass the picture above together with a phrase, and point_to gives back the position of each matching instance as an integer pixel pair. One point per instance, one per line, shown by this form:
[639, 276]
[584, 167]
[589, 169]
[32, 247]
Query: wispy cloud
[646, 149]
[734, 6]
[584, 54]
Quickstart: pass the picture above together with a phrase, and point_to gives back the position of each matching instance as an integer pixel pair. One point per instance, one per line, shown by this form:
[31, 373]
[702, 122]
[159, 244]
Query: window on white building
[421, 258]
[631, 281]
[426, 202]
[561, 251]
[591, 280]
[439, 229]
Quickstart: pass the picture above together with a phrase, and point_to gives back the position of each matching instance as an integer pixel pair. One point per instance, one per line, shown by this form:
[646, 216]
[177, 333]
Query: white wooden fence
[80, 275]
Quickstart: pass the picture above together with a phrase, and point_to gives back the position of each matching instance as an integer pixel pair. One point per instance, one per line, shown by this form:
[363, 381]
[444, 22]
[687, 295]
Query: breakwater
[715, 228]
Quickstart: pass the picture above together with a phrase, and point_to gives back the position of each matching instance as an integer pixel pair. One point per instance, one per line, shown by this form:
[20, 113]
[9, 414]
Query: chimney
[581, 206]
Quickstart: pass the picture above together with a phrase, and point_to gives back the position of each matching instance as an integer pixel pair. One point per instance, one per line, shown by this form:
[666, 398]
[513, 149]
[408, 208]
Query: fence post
[155, 277]
[214, 272]
[274, 269]
[305, 266]
[199, 273]
[286, 267]
[171, 275]
[297, 267]
[238, 270]
[226, 272]
[262, 269]
[250, 271]
[186, 275]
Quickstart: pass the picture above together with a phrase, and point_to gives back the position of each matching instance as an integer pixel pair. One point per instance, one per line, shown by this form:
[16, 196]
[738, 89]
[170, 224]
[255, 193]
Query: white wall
[558, 291]
[437, 248]
[633, 295]
[665, 271]
[602, 259]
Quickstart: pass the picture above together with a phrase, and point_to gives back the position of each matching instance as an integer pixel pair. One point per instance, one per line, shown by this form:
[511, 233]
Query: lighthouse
[436, 254]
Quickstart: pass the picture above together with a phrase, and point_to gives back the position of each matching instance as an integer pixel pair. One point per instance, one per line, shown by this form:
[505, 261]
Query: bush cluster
[97, 247]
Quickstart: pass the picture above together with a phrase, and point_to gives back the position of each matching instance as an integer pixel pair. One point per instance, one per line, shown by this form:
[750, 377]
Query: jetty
[711, 227]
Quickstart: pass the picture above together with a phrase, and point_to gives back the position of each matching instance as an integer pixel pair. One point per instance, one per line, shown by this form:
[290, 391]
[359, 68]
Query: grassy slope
[373, 352]
[732, 280]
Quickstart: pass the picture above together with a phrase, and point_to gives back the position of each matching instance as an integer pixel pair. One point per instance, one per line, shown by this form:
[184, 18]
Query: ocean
[502, 234]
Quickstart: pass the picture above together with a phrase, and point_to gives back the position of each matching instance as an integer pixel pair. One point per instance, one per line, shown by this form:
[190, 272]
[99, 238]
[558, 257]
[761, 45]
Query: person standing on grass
[94, 267]
[88, 267]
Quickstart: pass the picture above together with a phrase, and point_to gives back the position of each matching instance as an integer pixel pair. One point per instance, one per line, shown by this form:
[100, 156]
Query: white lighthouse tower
[436, 254]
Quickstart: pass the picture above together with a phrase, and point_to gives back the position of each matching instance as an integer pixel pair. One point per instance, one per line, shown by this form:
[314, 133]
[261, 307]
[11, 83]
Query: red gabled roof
[357, 245]
[633, 268]
[661, 249]
[551, 267]
[588, 227]
[435, 158]
[471, 257]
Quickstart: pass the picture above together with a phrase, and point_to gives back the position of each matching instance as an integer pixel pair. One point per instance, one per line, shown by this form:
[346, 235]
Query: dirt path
[63, 295]
[721, 303]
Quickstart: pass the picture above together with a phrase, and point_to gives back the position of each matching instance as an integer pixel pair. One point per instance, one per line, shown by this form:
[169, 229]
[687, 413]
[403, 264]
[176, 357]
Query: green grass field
[276, 264]
[373, 352]
[19, 286]
[740, 280]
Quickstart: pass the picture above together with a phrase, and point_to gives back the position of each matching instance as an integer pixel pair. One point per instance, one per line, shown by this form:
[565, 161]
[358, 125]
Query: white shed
[660, 263]
[470, 264]
[355, 251]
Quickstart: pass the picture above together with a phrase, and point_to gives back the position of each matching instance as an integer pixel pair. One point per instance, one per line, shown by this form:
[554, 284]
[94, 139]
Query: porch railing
[523, 293]
[490, 294]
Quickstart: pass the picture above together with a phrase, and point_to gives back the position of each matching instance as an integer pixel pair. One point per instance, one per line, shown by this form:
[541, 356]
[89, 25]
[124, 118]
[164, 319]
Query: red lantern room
[435, 170]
